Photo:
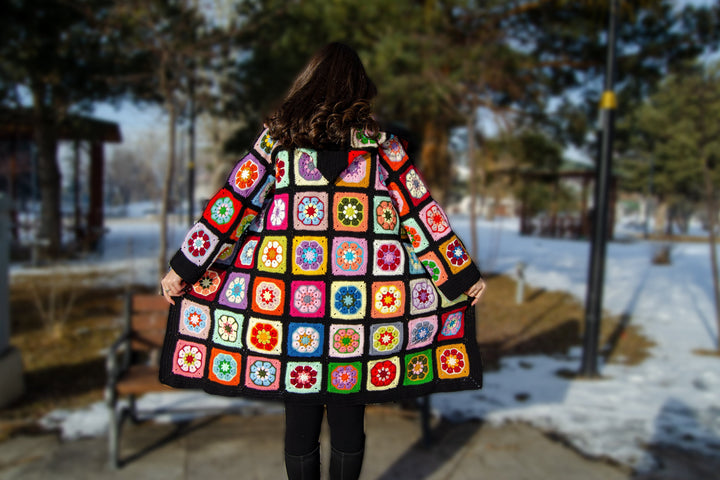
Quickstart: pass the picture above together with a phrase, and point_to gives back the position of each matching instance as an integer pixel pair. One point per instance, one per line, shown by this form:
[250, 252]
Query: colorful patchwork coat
[323, 277]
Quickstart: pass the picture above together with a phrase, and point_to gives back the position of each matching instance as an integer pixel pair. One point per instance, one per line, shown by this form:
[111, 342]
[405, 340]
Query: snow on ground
[671, 398]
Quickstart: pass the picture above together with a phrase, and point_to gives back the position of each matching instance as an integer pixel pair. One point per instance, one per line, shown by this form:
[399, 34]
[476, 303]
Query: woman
[323, 274]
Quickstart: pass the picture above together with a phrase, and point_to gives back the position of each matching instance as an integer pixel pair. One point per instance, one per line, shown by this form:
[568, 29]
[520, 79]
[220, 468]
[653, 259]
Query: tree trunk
[712, 213]
[473, 182]
[167, 186]
[48, 174]
[435, 164]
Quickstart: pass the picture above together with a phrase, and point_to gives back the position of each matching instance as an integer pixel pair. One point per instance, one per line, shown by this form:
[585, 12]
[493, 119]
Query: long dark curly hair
[328, 98]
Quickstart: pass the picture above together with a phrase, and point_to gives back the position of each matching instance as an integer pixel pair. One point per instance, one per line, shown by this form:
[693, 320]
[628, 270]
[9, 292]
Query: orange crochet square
[388, 299]
[225, 367]
[268, 296]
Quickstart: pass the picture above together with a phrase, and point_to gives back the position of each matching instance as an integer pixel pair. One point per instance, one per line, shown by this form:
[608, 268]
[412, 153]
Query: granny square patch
[358, 172]
[310, 211]
[388, 258]
[264, 146]
[388, 299]
[393, 152]
[398, 199]
[418, 368]
[306, 171]
[455, 254]
[446, 302]
[248, 217]
[452, 361]
[435, 220]
[264, 336]
[189, 359]
[225, 254]
[262, 373]
[383, 374]
[350, 211]
[246, 257]
[246, 175]
[234, 292]
[415, 266]
[349, 256]
[305, 339]
[208, 285]
[346, 340]
[272, 255]
[194, 319]
[416, 235]
[414, 185]
[344, 377]
[381, 176]
[282, 177]
[277, 217]
[386, 218]
[263, 192]
[303, 377]
[386, 338]
[434, 267]
[310, 255]
[423, 296]
[453, 324]
[348, 300]
[224, 367]
[307, 298]
[199, 244]
[228, 328]
[421, 331]
[268, 297]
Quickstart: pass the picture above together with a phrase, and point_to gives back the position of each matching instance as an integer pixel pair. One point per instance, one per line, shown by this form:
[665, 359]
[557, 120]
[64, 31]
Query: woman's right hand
[172, 286]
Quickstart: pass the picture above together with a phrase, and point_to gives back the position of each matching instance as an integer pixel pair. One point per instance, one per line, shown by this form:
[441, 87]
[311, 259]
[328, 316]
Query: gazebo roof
[18, 124]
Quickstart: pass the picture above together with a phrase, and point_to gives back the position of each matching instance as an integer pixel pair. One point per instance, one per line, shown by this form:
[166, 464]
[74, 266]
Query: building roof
[18, 124]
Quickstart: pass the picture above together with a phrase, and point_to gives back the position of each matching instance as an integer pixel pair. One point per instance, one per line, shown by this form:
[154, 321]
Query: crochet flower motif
[383, 373]
[452, 324]
[388, 299]
[350, 211]
[309, 255]
[348, 300]
[393, 150]
[344, 377]
[355, 172]
[272, 254]
[423, 295]
[413, 235]
[346, 340]
[432, 268]
[308, 299]
[303, 376]
[228, 328]
[305, 339]
[386, 216]
[246, 175]
[435, 219]
[386, 338]
[279, 211]
[418, 367]
[222, 210]
[195, 319]
[267, 143]
[349, 256]
[248, 251]
[208, 283]
[198, 243]
[397, 198]
[415, 185]
[279, 169]
[421, 332]
[388, 257]
[307, 168]
[452, 361]
[262, 373]
[267, 296]
[235, 291]
[456, 253]
[264, 336]
[189, 359]
[311, 211]
[224, 367]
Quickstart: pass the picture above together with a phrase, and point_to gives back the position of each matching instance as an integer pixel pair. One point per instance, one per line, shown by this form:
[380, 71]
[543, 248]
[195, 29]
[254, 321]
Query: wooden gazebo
[18, 166]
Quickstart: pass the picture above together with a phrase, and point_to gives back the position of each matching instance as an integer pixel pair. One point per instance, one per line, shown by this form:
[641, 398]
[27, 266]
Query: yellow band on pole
[608, 101]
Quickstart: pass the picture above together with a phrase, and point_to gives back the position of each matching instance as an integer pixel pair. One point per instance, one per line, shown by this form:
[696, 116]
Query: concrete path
[234, 447]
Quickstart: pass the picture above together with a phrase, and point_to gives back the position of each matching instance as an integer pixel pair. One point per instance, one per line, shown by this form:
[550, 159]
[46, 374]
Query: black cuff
[187, 270]
[459, 283]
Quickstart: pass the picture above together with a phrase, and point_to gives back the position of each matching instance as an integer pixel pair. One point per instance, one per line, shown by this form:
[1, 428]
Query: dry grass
[707, 353]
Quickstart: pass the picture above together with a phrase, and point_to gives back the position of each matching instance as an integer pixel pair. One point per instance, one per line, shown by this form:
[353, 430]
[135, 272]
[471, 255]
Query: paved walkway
[235, 447]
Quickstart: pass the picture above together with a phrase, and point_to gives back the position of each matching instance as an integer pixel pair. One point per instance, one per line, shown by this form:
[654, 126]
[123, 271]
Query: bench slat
[140, 379]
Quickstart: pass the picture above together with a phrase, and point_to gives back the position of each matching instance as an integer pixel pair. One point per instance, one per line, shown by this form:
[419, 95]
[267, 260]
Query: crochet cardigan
[323, 277]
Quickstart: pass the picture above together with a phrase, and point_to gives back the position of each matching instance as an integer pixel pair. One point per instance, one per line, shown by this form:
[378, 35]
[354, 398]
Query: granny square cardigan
[323, 277]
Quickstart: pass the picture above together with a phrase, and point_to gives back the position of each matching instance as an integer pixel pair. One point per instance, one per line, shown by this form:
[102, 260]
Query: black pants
[303, 422]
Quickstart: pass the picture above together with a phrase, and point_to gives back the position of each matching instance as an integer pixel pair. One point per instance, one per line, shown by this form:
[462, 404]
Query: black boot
[345, 466]
[303, 467]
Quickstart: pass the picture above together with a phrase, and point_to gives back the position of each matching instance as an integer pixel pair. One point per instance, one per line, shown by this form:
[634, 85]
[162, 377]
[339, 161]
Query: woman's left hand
[172, 286]
[476, 291]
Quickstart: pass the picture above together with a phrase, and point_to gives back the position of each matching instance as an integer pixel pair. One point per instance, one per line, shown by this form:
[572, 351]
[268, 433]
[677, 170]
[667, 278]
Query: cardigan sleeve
[228, 213]
[439, 249]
